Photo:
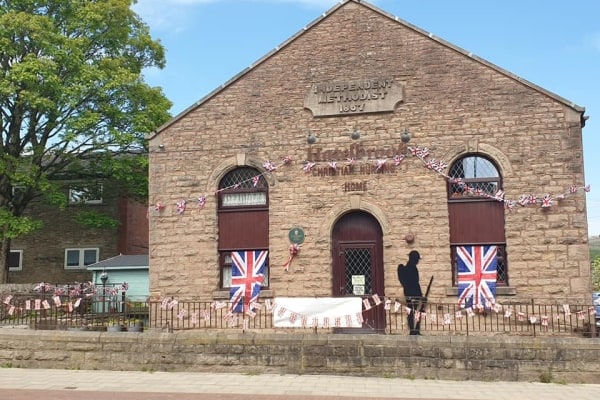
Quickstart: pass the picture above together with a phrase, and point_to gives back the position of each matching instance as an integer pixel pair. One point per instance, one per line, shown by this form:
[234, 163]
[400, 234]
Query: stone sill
[224, 294]
[449, 291]
[500, 291]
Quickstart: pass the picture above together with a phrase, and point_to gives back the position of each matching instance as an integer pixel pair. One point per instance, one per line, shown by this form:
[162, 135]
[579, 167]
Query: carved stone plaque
[353, 97]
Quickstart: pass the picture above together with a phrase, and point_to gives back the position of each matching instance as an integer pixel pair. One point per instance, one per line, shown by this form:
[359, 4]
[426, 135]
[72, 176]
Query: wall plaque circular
[296, 235]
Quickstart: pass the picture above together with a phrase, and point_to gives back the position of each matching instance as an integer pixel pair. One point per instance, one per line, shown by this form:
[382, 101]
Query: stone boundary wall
[17, 287]
[498, 358]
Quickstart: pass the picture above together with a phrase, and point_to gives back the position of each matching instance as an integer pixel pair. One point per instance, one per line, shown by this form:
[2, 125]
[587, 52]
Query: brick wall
[453, 103]
[568, 360]
[133, 231]
[44, 249]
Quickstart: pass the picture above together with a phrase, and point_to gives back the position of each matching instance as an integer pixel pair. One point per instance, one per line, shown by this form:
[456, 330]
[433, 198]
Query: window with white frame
[243, 218]
[18, 190]
[15, 260]
[226, 272]
[79, 258]
[85, 193]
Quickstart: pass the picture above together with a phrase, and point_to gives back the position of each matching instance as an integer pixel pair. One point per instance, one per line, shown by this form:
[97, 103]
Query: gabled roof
[332, 10]
[140, 261]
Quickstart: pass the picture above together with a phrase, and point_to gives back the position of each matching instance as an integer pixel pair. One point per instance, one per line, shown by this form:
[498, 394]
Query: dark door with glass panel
[358, 265]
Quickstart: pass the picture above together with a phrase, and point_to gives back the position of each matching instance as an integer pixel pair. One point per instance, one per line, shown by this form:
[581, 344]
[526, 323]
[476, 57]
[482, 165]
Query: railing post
[533, 313]
[123, 303]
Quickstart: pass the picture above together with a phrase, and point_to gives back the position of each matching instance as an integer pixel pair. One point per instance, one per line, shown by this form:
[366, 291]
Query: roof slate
[120, 261]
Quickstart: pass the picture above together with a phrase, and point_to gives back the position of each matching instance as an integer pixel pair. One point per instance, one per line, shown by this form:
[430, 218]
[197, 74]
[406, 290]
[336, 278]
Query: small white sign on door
[358, 280]
[358, 290]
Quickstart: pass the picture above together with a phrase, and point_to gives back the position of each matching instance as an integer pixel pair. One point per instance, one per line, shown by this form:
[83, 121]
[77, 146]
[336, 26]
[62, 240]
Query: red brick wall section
[133, 232]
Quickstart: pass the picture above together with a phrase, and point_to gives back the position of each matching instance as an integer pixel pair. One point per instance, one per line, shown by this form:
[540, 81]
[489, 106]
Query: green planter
[136, 327]
[115, 328]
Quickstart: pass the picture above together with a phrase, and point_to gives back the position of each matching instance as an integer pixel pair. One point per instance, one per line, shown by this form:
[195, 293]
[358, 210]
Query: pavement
[55, 384]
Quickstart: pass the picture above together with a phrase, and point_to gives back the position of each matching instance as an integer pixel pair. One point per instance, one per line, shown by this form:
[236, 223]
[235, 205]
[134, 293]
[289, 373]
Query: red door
[358, 264]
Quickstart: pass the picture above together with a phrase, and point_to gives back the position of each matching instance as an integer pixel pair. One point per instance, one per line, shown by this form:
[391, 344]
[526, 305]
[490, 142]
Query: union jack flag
[477, 271]
[247, 275]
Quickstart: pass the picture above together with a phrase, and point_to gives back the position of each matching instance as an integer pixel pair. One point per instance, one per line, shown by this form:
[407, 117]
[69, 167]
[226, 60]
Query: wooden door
[358, 264]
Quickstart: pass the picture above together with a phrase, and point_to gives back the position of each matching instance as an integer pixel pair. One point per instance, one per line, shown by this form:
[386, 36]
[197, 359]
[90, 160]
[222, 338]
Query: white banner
[320, 312]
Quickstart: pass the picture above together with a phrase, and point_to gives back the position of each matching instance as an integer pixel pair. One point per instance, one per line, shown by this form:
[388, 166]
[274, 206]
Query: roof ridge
[374, 8]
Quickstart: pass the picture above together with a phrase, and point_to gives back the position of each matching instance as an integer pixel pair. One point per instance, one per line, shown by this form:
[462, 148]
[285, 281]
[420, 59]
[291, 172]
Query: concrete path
[50, 384]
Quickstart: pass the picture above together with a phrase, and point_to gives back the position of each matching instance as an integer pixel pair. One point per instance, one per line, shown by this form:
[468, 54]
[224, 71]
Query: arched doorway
[357, 254]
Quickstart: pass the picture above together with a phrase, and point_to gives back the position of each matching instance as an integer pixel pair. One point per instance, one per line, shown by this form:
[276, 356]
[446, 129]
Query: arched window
[476, 217]
[243, 217]
[478, 176]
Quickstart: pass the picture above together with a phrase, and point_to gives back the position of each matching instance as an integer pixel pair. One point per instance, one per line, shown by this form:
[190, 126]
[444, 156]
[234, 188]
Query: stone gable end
[449, 101]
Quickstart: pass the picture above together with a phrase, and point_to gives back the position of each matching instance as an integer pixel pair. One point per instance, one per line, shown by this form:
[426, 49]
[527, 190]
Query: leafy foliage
[95, 219]
[595, 260]
[16, 226]
[594, 248]
[596, 274]
[73, 102]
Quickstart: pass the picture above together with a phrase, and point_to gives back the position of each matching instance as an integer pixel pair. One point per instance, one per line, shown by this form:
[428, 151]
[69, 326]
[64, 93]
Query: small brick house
[60, 251]
[360, 139]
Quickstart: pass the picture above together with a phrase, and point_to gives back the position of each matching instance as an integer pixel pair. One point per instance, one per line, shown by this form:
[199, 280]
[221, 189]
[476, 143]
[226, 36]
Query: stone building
[361, 138]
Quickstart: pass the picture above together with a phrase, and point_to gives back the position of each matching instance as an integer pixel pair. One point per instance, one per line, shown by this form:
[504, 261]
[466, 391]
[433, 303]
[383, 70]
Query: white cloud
[165, 15]
[594, 41]
[319, 3]
[311, 3]
[174, 15]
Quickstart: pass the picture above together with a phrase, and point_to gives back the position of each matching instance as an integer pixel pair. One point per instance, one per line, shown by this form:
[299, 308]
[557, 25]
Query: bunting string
[391, 305]
[423, 154]
[43, 292]
[439, 166]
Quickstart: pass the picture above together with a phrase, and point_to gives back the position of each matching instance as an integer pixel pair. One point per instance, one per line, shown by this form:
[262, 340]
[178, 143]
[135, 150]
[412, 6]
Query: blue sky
[552, 43]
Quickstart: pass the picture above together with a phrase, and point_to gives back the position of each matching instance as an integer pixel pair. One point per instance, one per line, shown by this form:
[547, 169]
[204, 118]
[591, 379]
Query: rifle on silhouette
[423, 302]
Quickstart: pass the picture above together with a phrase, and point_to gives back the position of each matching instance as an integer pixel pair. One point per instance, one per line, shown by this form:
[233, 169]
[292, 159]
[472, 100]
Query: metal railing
[104, 307]
[101, 310]
[517, 318]
[529, 319]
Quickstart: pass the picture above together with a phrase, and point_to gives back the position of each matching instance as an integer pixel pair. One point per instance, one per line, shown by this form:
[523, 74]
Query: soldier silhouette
[408, 275]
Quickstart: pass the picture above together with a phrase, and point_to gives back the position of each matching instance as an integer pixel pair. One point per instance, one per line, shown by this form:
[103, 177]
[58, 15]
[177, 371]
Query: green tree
[596, 274]
[73, 101]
